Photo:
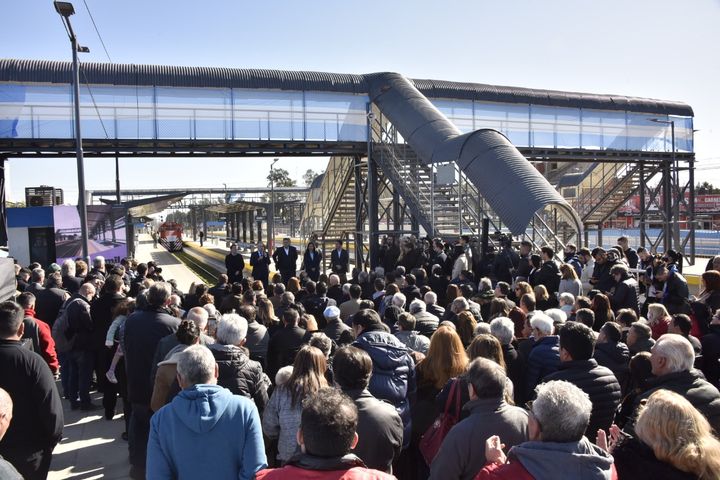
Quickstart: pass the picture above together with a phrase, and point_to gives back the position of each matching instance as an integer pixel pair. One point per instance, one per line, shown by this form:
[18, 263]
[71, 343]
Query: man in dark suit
[260, 262]
[50, 299]
[339, 260]
[285, 259]
[235, 264]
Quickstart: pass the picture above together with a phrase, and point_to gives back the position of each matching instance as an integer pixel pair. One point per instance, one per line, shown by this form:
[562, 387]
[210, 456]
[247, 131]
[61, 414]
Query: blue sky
[659, 49]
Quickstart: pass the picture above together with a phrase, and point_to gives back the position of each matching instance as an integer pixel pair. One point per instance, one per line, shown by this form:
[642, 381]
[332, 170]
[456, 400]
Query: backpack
[62, 333]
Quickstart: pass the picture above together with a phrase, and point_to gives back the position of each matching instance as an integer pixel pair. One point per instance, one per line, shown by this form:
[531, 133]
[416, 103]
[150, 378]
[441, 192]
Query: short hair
[399, 300]
[232, 329]
[355, 290]
[504, 287]
[460, 304]
[328, 423]
[291, 316]
[158, 294]
[612, 331]
[528, 300]
[26, 300]
[322, 342]
[585, 316]
[278, 289]
[487, 378]
[416, 306]
[248, 312]
[287, 298]
[583, 302]
[682, 322]
[99, 261]
[558, 316]
[642, 330]
[366, 318]
[677, 350]
[379, 284]
[406, 321]
[430, 298]
[626, 316]
[11, 316]
[566, 298]
[310, 287]
[619, 268]
[68, 268]
[352, 368]
[549, 251]
[113, 283]
[543, 323]
[196, 365]
[38, 274]
[562, 410]
[578, 340]
[503, 329]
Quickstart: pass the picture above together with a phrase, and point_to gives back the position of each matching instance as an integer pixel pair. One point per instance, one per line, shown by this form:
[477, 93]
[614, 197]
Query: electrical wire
[97, 30]
[97, 110]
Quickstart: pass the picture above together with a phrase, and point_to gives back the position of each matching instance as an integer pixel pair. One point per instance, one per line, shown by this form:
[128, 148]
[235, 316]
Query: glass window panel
[646, 135]
[542, 126]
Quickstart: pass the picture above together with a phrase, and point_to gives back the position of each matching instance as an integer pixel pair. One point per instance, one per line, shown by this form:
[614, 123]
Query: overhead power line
[97, 30]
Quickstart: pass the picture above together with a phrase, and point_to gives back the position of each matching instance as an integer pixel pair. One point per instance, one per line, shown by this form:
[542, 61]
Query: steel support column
[244, 226]
[667, 205]
[259, 231]
[251, 226]
[373, 202]
[691, 208]
[643, 211]
[358, 216]
[3, 210]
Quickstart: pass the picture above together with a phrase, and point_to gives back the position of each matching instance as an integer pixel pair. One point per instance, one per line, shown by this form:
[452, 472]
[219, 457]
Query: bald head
[6, 408]
[199, 316]
[87, 290]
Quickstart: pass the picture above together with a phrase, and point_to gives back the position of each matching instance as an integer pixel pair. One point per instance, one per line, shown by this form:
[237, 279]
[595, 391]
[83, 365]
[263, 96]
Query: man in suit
[235, 264]
[260, 262]
[339, 260]
[285, 259]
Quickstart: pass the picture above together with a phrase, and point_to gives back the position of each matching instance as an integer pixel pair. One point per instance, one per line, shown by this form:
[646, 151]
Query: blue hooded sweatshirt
[206, 432]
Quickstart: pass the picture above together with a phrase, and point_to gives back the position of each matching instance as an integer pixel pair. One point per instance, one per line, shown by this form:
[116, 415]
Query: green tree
[706, 188]
[281, 178]
[309, 177]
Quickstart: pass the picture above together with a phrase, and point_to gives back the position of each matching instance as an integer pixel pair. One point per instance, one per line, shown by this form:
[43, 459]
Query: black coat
[286, 263]
[48, 303]
[80, 322]
[240, 375]
[691, 385]
[72, 284]
[260, 266]
[626, 295]
[604, 281]
[284, 345]
[549, 276]
[505, 263]
[599, 383]
[143, 331]
[515, 371]
[676, 294]
[101, 311]
[415, 258]
[711, 354]
[389, 257]
[635, 460]
[632, 258]
[311, 265]
[616, 357]
[339, 262]
[339, 332]
[234, 263]
[37, 421]
[380, 431]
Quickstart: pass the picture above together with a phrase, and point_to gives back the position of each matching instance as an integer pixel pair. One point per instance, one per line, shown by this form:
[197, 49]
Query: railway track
[205, 268]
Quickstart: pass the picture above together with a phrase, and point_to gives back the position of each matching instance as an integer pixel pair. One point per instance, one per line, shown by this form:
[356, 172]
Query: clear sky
[661, 49]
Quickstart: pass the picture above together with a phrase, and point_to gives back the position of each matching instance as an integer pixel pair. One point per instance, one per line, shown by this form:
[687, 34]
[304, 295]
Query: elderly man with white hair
[557, 447]
[431, 305]
[236, 371]
[337, 330]
[425, 322]
[503, 329]
[206, 431]
[672, 360]
[544, 358]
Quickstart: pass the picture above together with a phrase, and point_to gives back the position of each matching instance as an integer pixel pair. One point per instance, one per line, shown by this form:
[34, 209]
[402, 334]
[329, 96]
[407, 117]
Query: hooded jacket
[305, 466]
[556, 461]
[393, 377]
[205, 432]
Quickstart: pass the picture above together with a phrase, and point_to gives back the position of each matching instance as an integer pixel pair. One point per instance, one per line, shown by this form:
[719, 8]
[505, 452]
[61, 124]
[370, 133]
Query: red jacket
[47, 344]
[291, 471]
[513, 470]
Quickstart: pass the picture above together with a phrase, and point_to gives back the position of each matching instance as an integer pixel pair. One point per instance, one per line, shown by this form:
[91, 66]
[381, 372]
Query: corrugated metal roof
[48, 71]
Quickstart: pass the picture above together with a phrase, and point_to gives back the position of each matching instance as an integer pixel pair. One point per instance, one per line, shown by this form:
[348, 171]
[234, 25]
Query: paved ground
[92, 447]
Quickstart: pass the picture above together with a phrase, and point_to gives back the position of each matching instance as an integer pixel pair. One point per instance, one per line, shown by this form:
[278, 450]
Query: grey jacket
[281, 421]
[414, 341]
[564, 461]
[462, 454]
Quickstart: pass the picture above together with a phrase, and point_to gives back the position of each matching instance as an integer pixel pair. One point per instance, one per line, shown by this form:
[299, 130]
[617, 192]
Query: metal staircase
[606, 189]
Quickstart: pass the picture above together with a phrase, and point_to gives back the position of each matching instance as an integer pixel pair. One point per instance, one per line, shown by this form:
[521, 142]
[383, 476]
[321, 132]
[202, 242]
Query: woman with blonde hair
[266, 315]
[543, 301]
[658, 319]
[487, 346]
[674, 441]
[569, 281]
[521, 288]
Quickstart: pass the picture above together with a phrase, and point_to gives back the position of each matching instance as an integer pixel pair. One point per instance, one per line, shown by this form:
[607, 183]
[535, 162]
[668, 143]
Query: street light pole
[271, 217]
[65, 10]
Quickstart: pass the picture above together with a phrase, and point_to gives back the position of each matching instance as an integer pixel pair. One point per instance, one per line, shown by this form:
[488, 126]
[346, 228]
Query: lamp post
[672, 235]
[65, 10]
[271, 217]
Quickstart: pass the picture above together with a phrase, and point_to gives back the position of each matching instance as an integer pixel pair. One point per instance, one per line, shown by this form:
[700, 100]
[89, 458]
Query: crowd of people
[443, 362]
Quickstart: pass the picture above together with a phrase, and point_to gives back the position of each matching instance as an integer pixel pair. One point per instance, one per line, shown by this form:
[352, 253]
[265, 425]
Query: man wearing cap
[336, 329]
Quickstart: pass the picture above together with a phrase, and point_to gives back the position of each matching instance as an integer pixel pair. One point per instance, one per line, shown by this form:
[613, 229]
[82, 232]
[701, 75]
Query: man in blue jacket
[206, 431]
[544, 358]
[393, 377]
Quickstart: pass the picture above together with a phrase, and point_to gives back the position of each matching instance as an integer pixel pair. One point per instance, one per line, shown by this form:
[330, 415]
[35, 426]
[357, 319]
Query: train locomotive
[170, 236]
